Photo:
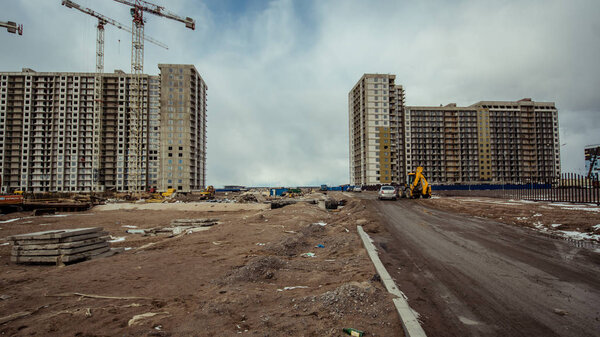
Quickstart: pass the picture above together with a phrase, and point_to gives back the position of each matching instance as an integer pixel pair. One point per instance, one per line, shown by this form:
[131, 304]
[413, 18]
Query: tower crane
[12, 27]
[136, 152]
[103, 20]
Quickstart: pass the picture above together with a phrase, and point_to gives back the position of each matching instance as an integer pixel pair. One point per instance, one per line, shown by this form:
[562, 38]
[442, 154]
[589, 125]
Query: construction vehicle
[168, 193]
[207, 193]
[417, 185]
[11, 202]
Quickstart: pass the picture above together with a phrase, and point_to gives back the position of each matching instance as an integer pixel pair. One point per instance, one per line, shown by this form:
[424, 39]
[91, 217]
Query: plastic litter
[135, 231]
[353, 332]
[319, 246]
[309, 254]
[290, 288]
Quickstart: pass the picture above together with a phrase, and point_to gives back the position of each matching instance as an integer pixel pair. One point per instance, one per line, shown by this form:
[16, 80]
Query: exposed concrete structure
[183, 123]
[71, 131]
[495, 141]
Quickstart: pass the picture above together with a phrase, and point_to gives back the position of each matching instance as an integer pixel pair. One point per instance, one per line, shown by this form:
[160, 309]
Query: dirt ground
[244, 276]
[576, 221]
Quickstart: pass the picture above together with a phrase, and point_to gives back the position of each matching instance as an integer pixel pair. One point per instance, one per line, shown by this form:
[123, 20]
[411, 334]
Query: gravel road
[469, 276]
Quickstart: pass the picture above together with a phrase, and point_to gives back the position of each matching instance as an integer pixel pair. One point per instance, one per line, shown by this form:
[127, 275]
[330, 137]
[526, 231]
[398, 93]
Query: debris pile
[296, 244]
[177, 227]
[348, 299]
[247, 198]
[59, 246]
[257, 269]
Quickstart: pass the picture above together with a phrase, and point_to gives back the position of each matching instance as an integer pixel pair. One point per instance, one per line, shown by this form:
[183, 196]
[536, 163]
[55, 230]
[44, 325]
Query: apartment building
[523, 140]
[489, 141]
[499, 141]
[183, 122]
[82, 132]
[443, 140]
[376, 151]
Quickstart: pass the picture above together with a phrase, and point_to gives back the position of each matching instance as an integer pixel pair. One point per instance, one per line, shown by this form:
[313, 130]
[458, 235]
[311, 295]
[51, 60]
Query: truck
[417, 185]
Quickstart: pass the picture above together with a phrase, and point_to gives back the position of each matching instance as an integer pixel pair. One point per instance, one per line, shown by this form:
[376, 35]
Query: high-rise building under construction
[489, 141]
[72, 132]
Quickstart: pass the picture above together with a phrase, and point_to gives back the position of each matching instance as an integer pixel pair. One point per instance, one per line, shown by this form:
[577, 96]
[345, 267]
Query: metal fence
[570, 187]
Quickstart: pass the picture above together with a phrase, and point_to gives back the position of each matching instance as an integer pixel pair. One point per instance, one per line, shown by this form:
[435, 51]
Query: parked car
[357, 189]
[387, 192]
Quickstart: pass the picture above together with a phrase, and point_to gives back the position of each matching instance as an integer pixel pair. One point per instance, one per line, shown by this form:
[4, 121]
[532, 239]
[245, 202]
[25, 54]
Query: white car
[387, 192]
[357, 189]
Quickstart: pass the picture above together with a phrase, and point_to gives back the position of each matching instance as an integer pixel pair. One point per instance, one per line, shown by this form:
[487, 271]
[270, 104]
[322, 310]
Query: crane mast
[137, 150]
[102, 21]
[98, 85]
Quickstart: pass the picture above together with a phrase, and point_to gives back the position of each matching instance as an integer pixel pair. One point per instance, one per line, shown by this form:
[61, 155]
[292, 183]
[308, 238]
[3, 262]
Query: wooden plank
[56, 252]
[58, 259]
[68, 239]
[85, 255]
[55, 234]
[74, 244]
[34, 259]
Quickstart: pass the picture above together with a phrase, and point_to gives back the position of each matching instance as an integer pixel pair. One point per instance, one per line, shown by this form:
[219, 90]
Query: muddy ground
[556, 218]
[245, 276]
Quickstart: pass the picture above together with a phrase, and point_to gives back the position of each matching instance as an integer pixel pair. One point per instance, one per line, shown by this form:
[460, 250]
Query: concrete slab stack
[59, 246]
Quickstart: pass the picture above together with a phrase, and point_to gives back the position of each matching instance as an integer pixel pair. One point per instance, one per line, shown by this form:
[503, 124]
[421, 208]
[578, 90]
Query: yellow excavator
[417, 185]
[207, 193]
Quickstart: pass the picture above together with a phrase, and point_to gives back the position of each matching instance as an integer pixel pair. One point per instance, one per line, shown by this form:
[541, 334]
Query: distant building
[76, 131]
[592, 161]
[489, 141]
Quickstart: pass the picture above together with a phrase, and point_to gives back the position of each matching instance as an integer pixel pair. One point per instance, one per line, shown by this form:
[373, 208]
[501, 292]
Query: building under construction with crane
[51, 139]
[84, 132]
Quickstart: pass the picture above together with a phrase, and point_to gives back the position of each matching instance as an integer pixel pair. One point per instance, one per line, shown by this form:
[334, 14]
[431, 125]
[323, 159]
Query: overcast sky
[279, 72]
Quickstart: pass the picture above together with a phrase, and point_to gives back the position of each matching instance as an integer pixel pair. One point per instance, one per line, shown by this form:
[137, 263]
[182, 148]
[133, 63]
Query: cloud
[279, 72]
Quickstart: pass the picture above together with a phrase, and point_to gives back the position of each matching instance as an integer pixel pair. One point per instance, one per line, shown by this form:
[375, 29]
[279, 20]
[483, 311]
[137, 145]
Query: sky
[279, 72]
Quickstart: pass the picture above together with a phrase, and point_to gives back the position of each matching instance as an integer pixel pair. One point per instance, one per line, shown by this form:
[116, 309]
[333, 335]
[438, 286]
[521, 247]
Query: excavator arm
[418, 187]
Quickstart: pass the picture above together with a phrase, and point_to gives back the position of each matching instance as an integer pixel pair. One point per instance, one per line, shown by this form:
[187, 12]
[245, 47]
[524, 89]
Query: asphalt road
[468, 276]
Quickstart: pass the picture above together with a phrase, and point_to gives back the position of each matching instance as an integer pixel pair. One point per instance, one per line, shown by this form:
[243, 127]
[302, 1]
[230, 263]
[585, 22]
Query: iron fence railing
[569, 187]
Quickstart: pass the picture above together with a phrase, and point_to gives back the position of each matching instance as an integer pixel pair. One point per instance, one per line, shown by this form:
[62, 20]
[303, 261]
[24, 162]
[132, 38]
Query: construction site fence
[570, 187]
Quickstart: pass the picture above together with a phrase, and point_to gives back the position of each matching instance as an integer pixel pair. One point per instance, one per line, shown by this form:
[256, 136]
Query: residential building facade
[74, 132]
[489, 141]
[375, 121]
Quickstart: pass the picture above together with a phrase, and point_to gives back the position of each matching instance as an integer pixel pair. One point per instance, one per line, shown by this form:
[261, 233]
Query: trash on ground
[129, 226]
[560, 312]
[308, 254]
[135, 319]
[260, 244]
[291, 288]
[135, 231]
[353, 332]
[116, 239]
[319, 246]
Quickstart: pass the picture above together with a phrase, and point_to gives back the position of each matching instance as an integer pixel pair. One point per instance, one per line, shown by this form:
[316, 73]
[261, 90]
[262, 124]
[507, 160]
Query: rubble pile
[348, 299]
[259, 268]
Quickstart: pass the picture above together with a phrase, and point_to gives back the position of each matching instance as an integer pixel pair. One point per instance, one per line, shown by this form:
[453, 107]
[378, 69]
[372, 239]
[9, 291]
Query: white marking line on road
[408, 317]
